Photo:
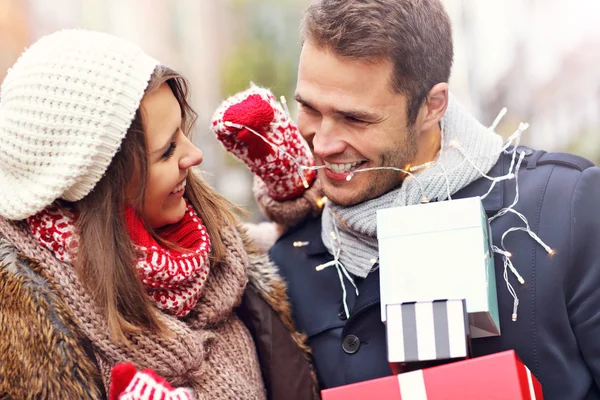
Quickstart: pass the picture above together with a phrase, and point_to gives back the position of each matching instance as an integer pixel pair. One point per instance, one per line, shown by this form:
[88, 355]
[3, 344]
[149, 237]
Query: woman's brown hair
[106, 256]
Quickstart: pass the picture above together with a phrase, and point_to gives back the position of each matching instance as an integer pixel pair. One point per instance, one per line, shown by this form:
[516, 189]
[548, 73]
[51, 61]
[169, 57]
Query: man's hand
[253, 127]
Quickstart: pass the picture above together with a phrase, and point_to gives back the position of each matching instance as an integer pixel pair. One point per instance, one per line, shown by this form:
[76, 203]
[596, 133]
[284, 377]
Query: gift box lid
[430, 217]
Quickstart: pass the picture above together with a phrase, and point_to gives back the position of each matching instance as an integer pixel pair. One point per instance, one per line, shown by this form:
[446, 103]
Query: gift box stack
[438, 292]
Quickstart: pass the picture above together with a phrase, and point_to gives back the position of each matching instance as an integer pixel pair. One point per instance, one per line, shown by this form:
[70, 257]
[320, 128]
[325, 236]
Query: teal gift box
[439, 250]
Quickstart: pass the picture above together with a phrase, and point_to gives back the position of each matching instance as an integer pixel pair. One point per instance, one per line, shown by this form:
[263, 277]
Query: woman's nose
[192, 157]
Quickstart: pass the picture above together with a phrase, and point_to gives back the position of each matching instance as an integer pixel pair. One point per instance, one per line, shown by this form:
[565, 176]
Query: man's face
[353, 120]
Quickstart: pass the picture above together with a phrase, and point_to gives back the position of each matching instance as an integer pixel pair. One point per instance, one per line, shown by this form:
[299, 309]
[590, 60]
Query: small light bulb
[321, 201]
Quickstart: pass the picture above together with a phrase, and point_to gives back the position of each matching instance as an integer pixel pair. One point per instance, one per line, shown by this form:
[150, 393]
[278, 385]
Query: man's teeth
[342, 168]
[179, 187]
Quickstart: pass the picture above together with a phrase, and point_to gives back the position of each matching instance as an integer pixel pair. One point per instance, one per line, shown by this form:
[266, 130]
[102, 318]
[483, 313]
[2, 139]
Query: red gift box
[500, 376]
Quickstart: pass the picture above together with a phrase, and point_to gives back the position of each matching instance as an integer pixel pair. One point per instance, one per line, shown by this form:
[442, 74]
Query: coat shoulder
[41, 353]
[535, 158]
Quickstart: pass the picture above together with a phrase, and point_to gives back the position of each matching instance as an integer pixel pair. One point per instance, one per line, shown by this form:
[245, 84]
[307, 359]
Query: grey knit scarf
[356, 226]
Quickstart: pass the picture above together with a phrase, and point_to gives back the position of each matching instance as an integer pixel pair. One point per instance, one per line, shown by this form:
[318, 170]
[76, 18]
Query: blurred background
[538, 58]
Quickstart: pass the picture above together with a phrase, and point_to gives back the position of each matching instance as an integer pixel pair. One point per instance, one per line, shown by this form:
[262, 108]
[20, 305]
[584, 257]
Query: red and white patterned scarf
[173, 279]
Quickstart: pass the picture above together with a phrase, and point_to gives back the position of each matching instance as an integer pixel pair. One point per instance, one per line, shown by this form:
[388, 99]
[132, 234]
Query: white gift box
[440, 250]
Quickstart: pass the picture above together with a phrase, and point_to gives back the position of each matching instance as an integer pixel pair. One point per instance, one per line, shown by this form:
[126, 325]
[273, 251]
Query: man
[373, 93]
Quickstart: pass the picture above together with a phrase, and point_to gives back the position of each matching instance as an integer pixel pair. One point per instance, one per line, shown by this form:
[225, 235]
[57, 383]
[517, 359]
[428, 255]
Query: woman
[113, 250]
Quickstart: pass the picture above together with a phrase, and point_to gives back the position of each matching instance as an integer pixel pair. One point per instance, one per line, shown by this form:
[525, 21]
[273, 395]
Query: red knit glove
[129, 384]
[257, 109]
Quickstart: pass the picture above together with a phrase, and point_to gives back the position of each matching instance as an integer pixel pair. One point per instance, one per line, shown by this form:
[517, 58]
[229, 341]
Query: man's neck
[429, 144]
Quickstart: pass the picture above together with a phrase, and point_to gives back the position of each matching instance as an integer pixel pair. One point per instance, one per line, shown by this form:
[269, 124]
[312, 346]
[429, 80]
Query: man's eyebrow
[300, 100]
[353, 114]
[359, 115]
[164, 148]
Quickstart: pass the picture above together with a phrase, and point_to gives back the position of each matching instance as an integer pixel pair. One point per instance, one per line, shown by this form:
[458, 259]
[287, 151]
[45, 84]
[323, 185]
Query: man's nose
[327, 139]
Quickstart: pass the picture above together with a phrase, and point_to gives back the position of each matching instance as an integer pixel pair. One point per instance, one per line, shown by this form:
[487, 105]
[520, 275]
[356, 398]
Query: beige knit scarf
[210, 351]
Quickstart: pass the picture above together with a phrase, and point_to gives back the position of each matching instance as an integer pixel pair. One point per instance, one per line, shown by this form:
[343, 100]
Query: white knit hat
[65, 107]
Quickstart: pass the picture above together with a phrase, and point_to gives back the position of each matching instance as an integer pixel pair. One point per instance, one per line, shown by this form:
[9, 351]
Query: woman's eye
[169, 151]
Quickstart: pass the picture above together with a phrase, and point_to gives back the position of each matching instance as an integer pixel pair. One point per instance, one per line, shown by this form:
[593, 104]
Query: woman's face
[170, 155]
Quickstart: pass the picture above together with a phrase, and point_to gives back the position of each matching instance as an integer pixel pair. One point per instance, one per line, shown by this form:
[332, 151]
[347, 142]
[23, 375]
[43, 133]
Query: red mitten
[129, 384]
[280, 165]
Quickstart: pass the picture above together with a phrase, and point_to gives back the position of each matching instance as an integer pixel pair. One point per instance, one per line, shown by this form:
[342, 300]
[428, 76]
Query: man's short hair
[415, 35]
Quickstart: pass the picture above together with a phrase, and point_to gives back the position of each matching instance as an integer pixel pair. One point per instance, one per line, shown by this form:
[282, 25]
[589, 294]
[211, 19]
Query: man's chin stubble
[355, 197]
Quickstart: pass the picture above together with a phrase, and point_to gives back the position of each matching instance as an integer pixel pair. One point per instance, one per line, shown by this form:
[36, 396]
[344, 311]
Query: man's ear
[434, 107]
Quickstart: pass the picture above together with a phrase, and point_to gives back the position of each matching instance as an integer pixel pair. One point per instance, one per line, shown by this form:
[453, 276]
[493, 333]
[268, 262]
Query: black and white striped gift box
[427, 330]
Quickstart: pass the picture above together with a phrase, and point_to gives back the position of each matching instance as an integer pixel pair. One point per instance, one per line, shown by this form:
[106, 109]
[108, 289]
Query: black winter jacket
[557, 334]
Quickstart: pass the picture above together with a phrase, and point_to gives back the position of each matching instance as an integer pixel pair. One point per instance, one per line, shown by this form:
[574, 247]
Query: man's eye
[307, 108]
[169, 151]
[357, 121]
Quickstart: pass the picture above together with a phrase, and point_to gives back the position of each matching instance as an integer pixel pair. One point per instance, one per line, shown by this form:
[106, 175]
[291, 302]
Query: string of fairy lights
[510, 147]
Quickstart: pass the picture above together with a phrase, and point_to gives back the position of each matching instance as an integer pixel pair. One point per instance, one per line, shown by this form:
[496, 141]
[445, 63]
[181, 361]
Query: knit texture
[257, 109]
[211, 351]
[357, 224]
[65, 107]
[173, 279]
[289, 212]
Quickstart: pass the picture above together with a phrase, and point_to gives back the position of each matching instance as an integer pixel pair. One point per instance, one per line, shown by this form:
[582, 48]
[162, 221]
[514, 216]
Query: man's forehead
[334, 98]
[322, 73]
[312, 58]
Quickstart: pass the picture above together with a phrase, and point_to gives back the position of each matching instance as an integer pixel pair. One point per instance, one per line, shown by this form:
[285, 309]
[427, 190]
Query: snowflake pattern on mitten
[284, 165]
